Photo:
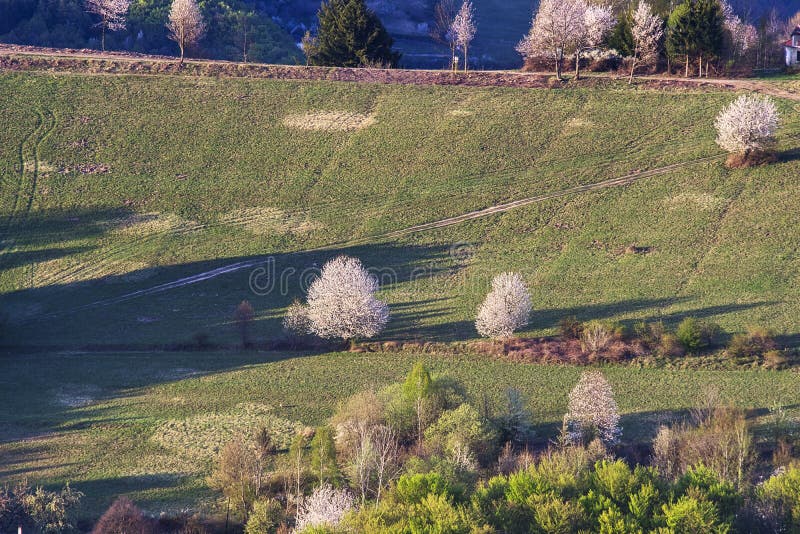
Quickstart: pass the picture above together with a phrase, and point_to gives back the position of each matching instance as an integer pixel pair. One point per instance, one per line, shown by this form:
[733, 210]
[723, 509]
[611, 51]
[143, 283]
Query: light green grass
[148, 424]
[204, 173]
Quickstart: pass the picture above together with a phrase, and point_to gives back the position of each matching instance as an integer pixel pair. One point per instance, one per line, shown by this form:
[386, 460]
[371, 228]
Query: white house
[792, 48]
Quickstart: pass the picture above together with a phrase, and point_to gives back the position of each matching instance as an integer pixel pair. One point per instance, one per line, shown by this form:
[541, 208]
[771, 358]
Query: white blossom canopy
[748, 123]
[342, 303]
[507, 307]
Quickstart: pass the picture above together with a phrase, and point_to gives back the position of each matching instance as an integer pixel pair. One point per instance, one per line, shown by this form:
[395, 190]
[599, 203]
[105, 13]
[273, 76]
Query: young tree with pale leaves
[186, 26]
[112, 15]
[463, 29]
[597, 22]
[444, 14]
[647, 30]
[342, 303]
[747, 126]
[555, 31]
[325, 507]
[507, 307]
[592, 411]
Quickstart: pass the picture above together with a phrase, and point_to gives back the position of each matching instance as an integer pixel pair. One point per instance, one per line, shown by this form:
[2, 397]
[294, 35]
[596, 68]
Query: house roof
[789, 43]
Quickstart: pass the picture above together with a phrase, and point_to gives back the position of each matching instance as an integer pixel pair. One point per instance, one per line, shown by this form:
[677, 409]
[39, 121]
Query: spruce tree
[350, 35]
[621, 36]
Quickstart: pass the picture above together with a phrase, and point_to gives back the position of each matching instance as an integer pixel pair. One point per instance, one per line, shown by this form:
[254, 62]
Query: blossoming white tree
[342, 303]
[325, 507]
[597, 22]
[743, 36]
[647, 31]
[592, 409]
[185, 25]
[556, 30]
[112, 15]
[507, 307]
[463, 29]
[747, 126]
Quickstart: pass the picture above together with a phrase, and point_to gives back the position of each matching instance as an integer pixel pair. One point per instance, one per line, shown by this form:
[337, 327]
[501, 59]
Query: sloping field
[117, 191]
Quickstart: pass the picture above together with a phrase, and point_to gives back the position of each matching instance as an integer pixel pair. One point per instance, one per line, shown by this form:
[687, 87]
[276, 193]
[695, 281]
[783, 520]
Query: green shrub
[691, 515]
[265, 517]
[781, 495]
[461, 432]
[695, 334]
[413, 488]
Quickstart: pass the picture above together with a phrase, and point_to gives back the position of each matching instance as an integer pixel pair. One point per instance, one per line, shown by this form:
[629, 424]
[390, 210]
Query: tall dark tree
[621, 37]
[350, 35]
[696, 31]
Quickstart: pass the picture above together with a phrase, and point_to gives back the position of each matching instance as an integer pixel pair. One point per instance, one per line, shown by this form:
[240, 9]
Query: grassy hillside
[113, 185]
[149, 425]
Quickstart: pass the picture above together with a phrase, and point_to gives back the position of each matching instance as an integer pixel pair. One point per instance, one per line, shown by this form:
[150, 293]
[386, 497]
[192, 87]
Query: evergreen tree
[323, 456]
[350, 35]
[696, 31]
[682, 32]
[621, 37]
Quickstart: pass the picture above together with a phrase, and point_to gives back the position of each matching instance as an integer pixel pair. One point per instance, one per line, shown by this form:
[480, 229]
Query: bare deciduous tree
[386, 451]
[325, 507]
[592, 409]
[555, 31]
[443, 15]
[243, 317]
[507, 307]
[237, 474]
[185, 25]
[464, 29]
[747, 125]
[112, 16]
[647, 31]
[342, 303]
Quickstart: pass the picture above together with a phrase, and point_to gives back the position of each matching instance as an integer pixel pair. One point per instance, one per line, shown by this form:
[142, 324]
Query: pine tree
[682, 32]
[351, 35]
[621, 36]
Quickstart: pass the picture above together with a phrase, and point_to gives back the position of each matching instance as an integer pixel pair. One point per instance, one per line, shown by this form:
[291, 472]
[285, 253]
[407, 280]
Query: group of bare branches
[185, 22]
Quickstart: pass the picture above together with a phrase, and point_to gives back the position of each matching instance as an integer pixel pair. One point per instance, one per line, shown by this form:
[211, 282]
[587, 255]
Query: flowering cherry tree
[597, 22]
[324, 508]
[592, 408]
[112, 15]
[743, 36]
[185, 25]
[647, 31]
[507, 307]
[747, 125]
[342, 303]
[556, 30]
[463, 29]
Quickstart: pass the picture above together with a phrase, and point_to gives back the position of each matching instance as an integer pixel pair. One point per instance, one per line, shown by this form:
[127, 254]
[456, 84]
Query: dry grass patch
[344, 121]
[702, 201]
[141, 224]
[200, 438]
[270, 221]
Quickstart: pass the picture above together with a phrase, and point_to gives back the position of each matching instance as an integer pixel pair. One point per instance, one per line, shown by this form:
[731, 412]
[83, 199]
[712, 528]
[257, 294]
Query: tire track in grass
[442, 223]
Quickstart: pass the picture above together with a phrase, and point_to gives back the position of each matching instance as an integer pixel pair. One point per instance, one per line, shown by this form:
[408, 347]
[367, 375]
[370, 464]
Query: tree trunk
[181, 46]
[701, 66]
[466, 61]
[103, 37]
[686, 73]
[558, 68]
[578, 64]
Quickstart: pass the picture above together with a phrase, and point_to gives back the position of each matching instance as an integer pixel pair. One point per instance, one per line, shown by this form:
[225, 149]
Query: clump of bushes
[752, 345]
[37, 509]
[696, 335]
